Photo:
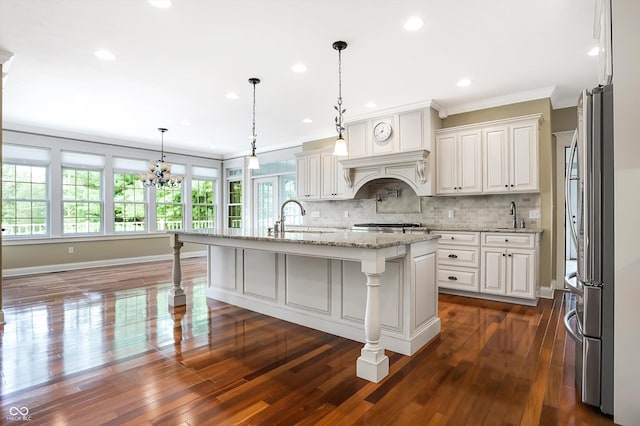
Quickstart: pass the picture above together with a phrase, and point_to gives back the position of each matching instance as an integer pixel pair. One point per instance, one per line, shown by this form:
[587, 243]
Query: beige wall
[547, 167]
[44, 253]
[564, 119]
[319, 144]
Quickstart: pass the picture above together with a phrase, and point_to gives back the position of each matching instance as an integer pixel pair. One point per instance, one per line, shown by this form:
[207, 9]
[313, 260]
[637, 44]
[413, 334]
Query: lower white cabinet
[507, 269]
[459, 260]
[489, 263]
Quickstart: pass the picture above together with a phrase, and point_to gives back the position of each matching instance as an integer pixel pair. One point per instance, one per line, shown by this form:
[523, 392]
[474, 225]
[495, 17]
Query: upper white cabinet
[308, 176]
[458, 162]
[510, 155]
[332, 182]
[410, 131]
[489, 157]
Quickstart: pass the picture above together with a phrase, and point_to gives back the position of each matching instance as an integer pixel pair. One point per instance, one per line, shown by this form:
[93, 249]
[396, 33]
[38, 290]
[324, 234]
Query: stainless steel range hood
[412, 167]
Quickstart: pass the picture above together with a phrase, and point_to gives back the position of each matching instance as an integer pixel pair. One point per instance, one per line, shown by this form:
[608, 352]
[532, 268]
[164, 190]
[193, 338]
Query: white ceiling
[177, 64]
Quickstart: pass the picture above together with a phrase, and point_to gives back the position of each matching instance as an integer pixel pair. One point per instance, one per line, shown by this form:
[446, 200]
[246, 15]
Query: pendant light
[253, 160]
[340, 148]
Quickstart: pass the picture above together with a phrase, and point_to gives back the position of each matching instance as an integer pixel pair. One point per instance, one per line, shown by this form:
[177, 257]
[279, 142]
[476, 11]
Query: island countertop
[345, 238]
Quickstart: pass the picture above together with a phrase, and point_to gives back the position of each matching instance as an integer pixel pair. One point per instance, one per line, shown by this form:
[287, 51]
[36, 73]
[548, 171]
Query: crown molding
[5, 58]
[430, 103]
[527, 95]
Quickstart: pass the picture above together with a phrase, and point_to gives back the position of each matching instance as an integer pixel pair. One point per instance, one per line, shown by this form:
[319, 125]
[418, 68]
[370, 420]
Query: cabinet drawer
[458, 238]
[459, 279]
[459, 256]
[500, 239]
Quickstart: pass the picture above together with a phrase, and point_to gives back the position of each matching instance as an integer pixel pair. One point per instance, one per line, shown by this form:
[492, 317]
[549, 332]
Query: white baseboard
[547, 292]
[494, 297]
[45, 269]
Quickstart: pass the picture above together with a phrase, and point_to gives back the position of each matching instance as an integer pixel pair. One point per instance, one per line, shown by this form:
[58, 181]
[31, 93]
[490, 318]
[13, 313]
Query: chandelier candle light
[340, 148]
[159, 174]
[253, 160]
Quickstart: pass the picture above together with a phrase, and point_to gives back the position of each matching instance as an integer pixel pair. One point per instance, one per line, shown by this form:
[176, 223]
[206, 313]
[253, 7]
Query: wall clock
[382, 131]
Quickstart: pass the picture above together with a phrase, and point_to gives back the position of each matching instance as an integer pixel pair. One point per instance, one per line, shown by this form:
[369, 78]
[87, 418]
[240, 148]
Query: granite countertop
[473, 228]
[344, 238]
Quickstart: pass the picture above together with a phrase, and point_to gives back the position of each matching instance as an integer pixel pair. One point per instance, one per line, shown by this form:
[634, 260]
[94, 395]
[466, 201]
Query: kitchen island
[379, 289]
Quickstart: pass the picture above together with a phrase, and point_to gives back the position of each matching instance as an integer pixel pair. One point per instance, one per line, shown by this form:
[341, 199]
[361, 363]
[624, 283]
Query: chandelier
[253, 160]
[340, 148]
[159, 174]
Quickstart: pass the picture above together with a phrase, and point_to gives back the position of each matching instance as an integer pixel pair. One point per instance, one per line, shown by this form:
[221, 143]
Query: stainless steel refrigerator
[590, 324]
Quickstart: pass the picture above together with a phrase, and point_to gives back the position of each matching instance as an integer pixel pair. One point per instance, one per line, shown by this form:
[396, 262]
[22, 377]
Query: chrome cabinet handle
[452, 278]
[453, 256]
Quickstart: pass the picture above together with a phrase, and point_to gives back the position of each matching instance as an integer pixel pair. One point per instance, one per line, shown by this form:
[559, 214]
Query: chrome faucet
[282, 217]
[512, 212]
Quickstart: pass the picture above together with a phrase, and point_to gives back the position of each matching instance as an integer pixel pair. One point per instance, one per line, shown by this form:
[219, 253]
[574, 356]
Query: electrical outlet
[451, 214]
[534, 214]
[346, 213]
[315, 213]
[70, 250]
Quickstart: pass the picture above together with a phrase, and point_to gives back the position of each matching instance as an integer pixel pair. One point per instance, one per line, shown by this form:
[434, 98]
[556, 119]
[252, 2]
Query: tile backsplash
[474, 210]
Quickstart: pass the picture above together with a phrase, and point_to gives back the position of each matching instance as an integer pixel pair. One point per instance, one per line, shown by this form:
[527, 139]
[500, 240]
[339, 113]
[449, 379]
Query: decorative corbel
[421, 170]
[348, 177]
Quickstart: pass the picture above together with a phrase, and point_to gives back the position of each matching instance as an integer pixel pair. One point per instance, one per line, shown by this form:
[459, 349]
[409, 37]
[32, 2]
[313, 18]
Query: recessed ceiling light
[185, 122]
[161, 4]
[370, 104]
[105, 55]
[231, 95]
[594, 51]
[414, 23]
[463, 82]
[299, 68]
[307, 120]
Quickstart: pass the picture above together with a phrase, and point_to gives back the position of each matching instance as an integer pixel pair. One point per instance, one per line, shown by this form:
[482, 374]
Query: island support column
[177, 296]
[373, 364]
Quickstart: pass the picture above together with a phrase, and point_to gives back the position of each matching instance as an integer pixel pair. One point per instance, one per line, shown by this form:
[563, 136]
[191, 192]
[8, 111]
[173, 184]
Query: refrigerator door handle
[573, 288]
[567, 188]
[575, 334]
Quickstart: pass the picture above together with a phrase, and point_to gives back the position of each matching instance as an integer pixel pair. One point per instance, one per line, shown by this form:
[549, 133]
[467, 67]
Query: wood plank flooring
[101, 346]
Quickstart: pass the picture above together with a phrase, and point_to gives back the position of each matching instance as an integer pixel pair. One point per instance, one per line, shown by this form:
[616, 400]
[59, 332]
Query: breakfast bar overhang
[379, 289]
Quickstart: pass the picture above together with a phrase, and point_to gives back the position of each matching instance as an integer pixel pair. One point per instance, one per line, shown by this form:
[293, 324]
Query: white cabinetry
[411, 130]
[459, 260]
[510, 157]
[459, 162]
[332, 182]
[308, 176]
[509, 264]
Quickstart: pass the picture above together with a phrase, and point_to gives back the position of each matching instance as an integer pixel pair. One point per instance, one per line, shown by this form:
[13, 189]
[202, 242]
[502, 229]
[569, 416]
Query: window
[234, 207]
[25, 202]
[129, 203]
[81, 201]
[203, 208]
[168, 208]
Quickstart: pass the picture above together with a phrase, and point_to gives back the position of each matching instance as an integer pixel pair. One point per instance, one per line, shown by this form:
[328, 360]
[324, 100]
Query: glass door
[265, 192]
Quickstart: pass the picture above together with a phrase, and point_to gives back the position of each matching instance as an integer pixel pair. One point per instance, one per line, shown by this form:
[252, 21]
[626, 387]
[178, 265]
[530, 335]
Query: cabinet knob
[509, 254]
[502, 254]
[452, 278]
[506, 241]
[511, 185]
[453, 256]
[452, 238]
[506, 186]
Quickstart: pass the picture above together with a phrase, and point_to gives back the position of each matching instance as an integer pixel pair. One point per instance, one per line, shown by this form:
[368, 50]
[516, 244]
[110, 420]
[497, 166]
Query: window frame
[101, 202]
[47, 201]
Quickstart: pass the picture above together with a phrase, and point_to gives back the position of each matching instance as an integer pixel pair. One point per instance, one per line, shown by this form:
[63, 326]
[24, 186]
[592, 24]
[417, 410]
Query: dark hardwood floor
[101, 346]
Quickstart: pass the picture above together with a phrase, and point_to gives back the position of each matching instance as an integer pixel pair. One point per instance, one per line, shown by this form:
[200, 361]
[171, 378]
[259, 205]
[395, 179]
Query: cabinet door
[493, 271]
[521, 273]
[469, 162]
[313, 176]
[495, 167]
[327, 189]
[446, 164]
[524, 158]
[338, 174]
[301, 177]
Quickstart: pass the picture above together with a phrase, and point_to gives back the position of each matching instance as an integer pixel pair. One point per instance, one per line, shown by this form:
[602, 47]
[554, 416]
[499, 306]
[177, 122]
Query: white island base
[385, 297]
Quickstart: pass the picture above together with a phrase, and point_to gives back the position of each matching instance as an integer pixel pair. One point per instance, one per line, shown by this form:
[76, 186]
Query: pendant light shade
[254, 163]
[340, 148]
